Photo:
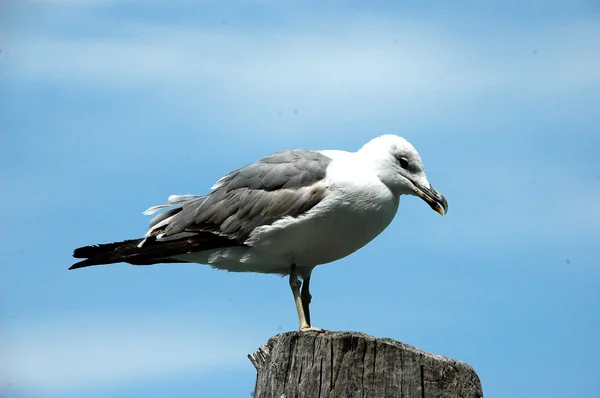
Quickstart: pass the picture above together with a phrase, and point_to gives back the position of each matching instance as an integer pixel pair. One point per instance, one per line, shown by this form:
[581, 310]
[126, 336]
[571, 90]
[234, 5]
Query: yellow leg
[302, 300]
[295, 285]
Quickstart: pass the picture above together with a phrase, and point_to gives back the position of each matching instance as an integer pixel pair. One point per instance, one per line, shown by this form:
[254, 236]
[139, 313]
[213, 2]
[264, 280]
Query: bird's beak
[433, 198]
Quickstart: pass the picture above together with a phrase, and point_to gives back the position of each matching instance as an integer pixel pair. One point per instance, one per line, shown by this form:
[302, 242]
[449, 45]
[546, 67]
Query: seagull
[284, 214]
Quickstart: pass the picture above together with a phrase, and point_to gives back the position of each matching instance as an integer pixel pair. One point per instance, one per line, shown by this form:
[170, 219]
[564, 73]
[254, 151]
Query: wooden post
[350, 364]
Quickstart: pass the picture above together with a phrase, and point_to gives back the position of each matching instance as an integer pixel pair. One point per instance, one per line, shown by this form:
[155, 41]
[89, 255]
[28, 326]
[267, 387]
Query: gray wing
[279, 185]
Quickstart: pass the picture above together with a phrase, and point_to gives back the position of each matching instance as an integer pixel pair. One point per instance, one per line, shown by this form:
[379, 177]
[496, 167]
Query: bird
[283, 214]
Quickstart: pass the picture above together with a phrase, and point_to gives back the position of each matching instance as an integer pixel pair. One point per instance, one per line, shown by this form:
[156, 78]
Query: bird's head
[400, 168]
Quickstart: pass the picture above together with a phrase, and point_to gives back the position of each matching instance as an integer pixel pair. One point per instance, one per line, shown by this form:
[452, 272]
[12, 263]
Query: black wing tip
[103, 248]
[104, 253]
[81, 252]
[84, 252]
[79, 265]
[153, 252]
[88, 262]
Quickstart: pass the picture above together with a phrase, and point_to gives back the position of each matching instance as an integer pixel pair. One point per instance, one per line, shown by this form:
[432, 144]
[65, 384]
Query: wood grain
[351, 364]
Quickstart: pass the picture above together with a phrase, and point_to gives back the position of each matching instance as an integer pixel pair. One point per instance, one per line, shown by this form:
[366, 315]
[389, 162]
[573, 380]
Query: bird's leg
[306, 298]
[295, 285]
[302, 300]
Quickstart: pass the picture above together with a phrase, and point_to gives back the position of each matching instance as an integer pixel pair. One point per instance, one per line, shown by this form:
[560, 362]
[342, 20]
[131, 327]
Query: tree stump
[350, 364]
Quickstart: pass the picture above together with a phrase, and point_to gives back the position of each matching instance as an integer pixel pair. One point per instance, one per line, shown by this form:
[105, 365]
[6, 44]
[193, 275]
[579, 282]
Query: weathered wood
[349, 364]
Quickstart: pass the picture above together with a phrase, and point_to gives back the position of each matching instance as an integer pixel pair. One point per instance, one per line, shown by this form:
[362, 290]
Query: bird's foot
[311, 329]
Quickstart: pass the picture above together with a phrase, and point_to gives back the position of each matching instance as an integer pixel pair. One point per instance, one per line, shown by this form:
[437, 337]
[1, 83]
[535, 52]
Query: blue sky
[107, 107]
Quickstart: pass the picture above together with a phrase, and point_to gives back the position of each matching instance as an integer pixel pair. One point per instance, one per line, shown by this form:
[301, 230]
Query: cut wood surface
[351, 364]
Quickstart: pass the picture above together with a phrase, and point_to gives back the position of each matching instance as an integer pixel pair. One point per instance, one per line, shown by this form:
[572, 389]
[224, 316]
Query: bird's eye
[403, 163]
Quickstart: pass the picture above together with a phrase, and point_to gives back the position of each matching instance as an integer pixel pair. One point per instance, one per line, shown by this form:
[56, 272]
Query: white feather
[173, 200]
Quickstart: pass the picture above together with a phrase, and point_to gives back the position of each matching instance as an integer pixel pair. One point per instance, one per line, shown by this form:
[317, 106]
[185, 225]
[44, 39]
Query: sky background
[108, 107]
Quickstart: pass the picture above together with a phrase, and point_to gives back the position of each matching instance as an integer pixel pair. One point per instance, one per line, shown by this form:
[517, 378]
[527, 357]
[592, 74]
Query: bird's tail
[128, 251]
[150, 250]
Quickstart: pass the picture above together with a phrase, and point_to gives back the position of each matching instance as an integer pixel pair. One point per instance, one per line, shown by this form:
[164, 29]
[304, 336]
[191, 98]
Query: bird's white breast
[338, 228]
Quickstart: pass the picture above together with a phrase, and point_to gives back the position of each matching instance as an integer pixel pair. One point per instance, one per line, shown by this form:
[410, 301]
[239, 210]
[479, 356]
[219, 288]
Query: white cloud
[374, 57]
[299, 78]
[102, 351]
